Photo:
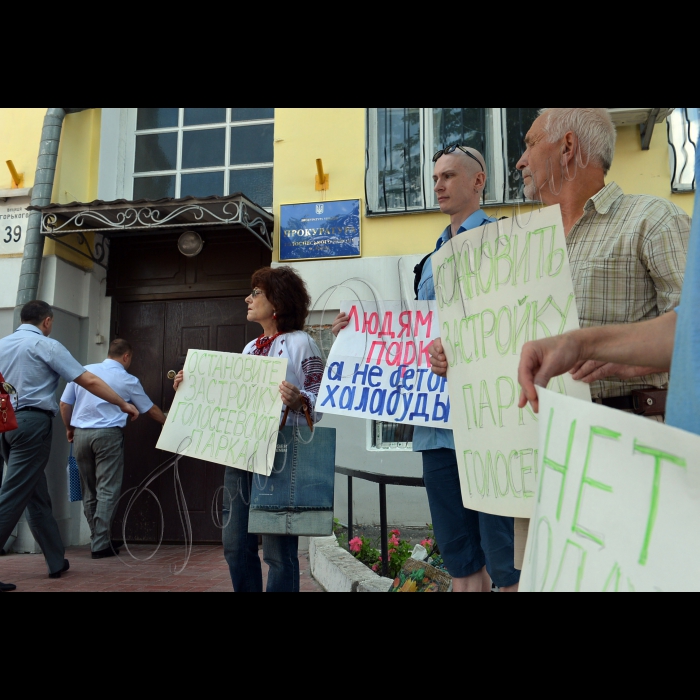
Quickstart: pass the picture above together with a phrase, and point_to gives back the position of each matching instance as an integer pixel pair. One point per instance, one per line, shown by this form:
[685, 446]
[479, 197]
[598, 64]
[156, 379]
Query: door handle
[172, 374]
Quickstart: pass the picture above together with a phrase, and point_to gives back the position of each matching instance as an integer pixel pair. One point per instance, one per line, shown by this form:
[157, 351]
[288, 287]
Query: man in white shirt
[95, 429]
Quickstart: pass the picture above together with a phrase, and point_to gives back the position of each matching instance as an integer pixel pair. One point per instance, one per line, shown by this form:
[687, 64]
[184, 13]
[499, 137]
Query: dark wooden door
[162, 332]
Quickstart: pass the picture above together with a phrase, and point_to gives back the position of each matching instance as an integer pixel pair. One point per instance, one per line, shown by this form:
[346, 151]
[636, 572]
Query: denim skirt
[297, 498]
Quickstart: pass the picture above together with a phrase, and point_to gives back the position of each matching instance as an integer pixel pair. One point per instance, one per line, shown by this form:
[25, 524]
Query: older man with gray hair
[627, 252]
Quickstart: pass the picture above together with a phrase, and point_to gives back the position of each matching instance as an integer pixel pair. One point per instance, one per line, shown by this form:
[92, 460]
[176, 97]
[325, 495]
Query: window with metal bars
[401, 142]
[391, 436]
[683, 133]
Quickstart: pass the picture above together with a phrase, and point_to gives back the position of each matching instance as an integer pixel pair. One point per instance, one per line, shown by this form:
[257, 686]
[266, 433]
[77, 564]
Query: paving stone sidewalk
[206, 572]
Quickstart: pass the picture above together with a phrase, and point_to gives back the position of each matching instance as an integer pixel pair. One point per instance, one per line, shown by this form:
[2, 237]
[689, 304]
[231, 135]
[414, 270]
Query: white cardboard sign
[379, 366]
[497, 288]
[227, 410]
[618, 504]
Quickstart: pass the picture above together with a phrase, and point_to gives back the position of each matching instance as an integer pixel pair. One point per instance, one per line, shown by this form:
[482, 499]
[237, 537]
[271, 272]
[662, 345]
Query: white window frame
[180, 129]
[497, 157]
[683, 130]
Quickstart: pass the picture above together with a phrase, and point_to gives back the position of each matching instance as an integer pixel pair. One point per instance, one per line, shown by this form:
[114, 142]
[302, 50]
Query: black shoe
[105, 553]
[7, 587]
[2, 552]
[117, 545]
[65, 568]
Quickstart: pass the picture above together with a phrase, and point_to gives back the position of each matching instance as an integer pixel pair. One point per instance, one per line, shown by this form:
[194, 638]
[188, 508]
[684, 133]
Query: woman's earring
[274, 315]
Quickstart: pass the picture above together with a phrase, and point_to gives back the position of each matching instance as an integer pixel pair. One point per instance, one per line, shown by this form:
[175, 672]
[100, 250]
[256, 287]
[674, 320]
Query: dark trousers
[26, 452]
[281, 554]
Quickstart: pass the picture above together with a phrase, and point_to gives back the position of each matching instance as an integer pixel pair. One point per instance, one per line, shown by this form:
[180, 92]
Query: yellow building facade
[99, 160]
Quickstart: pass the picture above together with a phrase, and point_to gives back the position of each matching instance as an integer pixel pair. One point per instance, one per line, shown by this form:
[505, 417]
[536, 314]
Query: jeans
[100, 457]
[468, 540]
[26, 452]
[280, 553]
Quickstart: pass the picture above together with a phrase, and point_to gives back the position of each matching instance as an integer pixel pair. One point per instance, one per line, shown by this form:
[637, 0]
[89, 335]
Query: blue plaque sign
[320, 231]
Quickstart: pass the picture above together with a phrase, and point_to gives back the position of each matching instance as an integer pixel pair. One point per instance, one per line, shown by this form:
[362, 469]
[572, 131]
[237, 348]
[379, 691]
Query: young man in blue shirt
[473, 545]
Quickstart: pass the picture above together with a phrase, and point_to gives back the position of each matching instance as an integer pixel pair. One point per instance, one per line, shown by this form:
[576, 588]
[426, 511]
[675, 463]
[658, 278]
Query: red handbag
[8, 420]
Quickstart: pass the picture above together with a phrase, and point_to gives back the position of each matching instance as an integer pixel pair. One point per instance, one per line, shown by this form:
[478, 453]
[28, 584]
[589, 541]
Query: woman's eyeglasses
[256, 293]
[452, 149]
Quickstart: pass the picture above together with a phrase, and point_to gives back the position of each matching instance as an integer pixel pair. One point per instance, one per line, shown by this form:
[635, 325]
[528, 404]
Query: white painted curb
[339, 572]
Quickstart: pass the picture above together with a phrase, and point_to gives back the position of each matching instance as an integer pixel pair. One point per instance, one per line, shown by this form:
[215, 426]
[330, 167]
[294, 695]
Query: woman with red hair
[280, 303]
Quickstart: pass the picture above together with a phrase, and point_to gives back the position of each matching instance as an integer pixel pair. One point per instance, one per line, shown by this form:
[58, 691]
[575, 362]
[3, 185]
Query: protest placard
[227, 410]
[618, 503]
[498, 287]
[379, 367]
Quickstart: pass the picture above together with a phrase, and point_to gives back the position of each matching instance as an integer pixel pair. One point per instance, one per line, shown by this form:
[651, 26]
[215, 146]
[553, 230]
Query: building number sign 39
[14, 218]
[13, 234]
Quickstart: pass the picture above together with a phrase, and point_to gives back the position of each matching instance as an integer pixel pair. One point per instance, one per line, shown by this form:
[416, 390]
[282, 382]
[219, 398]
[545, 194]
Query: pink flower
[427, 543]
[375, 568]
[356, 545]
[396, 533]
[394, 542]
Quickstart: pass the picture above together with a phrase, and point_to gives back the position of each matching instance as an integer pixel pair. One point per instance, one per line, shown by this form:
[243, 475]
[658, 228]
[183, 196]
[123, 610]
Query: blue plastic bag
[75, 492]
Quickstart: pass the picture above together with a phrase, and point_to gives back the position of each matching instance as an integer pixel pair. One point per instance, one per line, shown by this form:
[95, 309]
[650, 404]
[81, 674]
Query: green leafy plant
[361, 548]
[399, 553]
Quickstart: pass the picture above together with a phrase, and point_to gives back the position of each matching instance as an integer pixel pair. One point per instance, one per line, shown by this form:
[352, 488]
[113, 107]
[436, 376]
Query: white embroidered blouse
[304, 369]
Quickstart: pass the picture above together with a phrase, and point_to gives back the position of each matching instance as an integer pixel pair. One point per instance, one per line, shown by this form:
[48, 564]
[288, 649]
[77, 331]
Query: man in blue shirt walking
[33, 364]
[95, 429]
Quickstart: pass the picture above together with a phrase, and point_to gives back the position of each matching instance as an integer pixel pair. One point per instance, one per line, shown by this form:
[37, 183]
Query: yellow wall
[646, 172]
[77, 167]
[77, 172]
[20, 134]
[337, 136]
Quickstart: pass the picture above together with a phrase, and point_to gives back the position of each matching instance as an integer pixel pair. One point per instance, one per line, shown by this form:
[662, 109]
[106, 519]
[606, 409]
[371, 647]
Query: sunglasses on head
[452, 149]
[8, 389]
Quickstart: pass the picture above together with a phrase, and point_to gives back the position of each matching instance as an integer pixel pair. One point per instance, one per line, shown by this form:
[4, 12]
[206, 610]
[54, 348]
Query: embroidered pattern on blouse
[264, 351]
[313, 374]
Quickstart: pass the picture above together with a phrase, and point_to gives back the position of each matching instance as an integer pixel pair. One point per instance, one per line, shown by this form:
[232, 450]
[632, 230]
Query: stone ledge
[339, 572]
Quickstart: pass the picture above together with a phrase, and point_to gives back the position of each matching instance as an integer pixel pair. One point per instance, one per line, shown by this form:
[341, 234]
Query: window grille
[391, 436]
[683, 128]
[401, 142]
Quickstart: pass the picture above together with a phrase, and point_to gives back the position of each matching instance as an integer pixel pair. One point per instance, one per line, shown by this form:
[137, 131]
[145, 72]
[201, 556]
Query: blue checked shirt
[33, 364]
[425, 439]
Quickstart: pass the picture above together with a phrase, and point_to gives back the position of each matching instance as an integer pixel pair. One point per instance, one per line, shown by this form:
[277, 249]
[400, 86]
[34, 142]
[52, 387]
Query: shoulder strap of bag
[306, 413]
[418, 272]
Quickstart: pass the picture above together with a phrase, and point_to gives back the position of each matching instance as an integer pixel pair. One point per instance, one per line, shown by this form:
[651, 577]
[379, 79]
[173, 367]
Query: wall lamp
[323, 180]
[17, 178]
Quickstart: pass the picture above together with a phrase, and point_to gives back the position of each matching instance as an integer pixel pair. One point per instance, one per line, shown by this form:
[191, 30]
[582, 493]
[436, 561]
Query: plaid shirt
[628, 256]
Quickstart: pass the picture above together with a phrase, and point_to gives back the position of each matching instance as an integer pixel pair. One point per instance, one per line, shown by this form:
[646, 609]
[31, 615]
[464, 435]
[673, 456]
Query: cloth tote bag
[75, 491]
[297, 498]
